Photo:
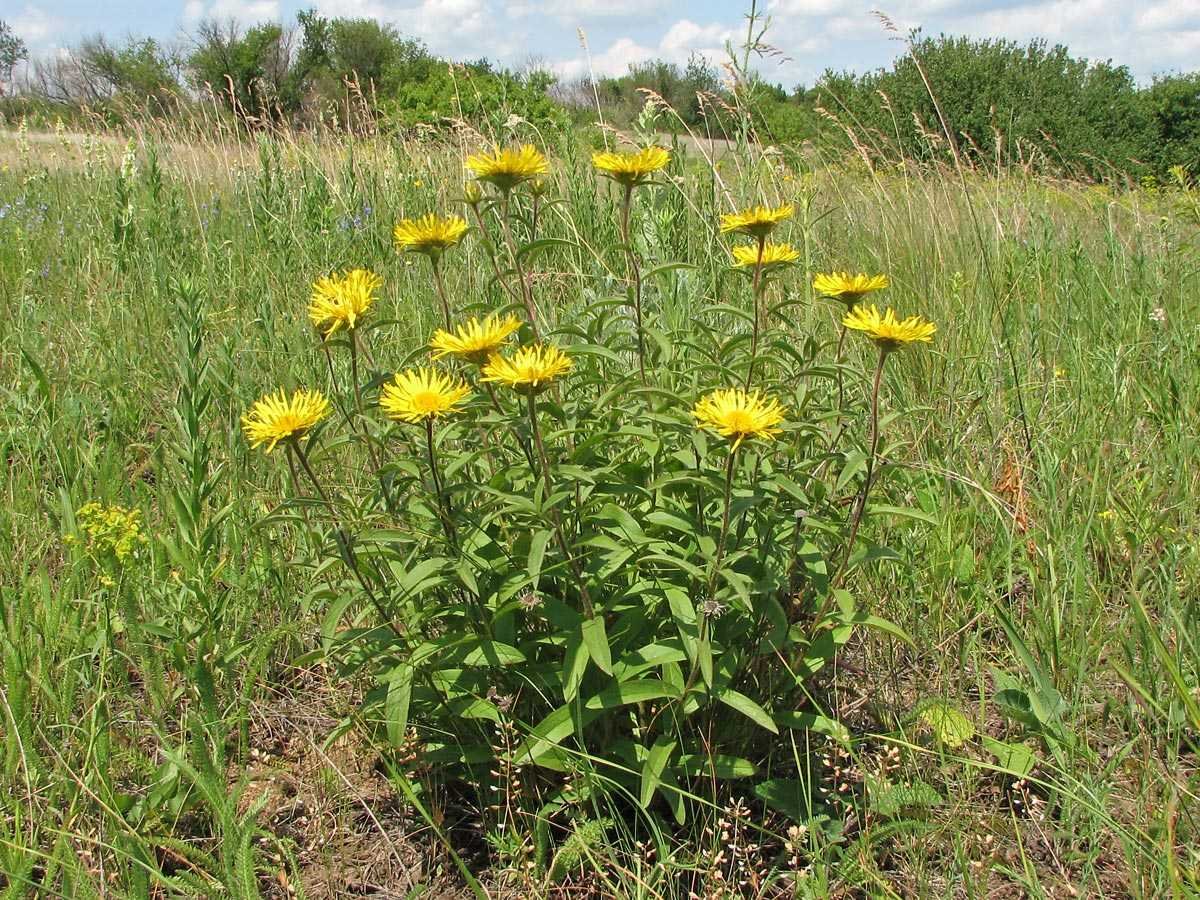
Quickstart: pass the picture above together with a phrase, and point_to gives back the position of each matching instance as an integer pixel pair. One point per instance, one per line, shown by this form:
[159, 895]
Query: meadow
[564, 642]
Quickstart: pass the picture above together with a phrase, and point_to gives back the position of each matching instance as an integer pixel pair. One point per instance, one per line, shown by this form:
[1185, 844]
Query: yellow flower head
[847, 288]
[277, 417]
[631, 169]
[529, 370]
[339, 301]
[475, 341]
[886, 330]
[430, 234]
[508, 167]
[418, 394]
[773, 256]
[111, 533]
[738, 415]
[758, 221]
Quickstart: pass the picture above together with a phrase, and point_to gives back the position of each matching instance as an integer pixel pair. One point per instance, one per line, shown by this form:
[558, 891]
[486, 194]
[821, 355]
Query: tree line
[986, 102]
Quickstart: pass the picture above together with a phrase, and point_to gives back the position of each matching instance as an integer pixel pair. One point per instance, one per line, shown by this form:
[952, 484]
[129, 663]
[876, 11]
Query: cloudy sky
[1150, 36]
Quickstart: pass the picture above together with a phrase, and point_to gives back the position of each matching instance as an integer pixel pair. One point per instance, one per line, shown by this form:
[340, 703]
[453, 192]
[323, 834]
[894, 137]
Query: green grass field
[221, 711]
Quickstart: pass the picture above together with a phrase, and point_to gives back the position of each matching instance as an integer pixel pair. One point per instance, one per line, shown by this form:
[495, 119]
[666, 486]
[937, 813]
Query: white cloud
[576, 12]
[247, 12]
[459, 29]
[1171, 14]
[677, 45]
[36, 27]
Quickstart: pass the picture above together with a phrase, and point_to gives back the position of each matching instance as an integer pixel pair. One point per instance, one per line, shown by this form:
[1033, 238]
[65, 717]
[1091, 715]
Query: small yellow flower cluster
[110, 532]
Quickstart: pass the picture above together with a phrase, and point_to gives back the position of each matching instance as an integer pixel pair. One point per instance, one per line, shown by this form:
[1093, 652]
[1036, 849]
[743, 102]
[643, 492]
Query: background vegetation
[1002, 103]
[175, 724]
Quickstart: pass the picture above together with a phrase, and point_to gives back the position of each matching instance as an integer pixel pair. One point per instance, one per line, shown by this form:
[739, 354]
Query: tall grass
[1047, 439]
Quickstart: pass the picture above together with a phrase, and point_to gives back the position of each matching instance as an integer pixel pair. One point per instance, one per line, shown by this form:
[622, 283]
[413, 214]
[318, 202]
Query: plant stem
[861, 506]
[635, 275]
[556, 520]
[441, 288]
[490, 246]
[443, 502]
[756, 289]
[294, 444]
[717, 560]
[526, 290]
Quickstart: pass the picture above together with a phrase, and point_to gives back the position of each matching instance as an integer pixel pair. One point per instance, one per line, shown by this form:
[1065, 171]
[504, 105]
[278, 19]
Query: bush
[570, 585]
[1016, 104]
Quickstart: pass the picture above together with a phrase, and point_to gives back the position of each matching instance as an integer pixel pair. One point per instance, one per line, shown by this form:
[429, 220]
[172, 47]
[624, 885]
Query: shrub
[585, 576]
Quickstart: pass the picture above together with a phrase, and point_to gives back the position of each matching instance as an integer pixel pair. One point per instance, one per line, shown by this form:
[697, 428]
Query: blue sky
[1149, 36]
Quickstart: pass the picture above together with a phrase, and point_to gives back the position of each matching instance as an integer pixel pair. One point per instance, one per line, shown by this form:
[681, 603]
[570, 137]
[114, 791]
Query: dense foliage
[1029, 105]
[998, 102]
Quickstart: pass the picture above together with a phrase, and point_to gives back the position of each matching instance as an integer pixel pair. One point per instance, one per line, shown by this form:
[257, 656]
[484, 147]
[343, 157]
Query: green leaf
[492, 653]
[637, 691]
[543, 244]
[902, 512]
[889, 800]
[537, 553]
[786, 795]
[574, 665]
[700, 765]
[1015, 759]
[951, 728]
[596, 639]
[652, 768]
[809, 721]
[747, 707]
[399, 694]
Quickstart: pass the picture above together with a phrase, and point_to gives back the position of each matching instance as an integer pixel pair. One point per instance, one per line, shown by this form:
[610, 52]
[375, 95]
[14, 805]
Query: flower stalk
[555, 518]
[635, 276]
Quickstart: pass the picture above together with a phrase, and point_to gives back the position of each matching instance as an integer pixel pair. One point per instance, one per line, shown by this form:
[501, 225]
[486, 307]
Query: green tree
[250, 72]
[1002, 101]
[140, 71]
[1172, 108]
[12, 51]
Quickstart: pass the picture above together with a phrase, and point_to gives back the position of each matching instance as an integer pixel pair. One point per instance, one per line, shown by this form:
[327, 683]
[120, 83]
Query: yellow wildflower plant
[417, 395]
[733, 413]
[278, 417]
[529, 370]
[475, 341]
[774, 256]
[506, 168]
[110, 533]
[887, 330]
[758, 221]
[847, 288]
[631, 169]
[340, 301]
[431, 234]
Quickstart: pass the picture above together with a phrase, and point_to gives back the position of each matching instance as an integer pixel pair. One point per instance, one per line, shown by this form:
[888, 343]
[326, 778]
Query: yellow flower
[418, 394]
[429, 234]
[112, 532]
[735, 414]
[529, 370]
[1060, 372]
[631, 169]
[1107, 514]
[276, 417]
[475, 341]
[341, 300]
[508, 167]
[773, 255]
[759, 221]
[888, 331]
[847, 288]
